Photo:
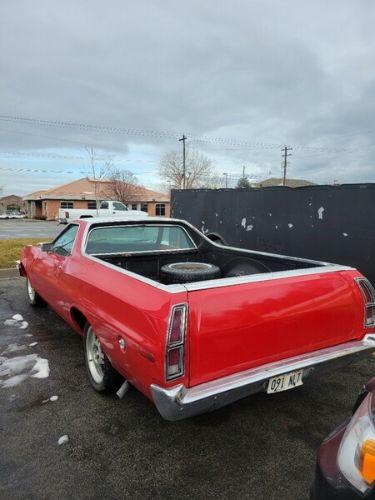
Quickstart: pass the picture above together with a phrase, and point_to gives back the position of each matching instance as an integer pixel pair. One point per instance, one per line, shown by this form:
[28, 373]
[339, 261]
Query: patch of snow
[290, 225]
[20, 368]
[63, 439]
[41, 368]
[14, 348]
[13, 381]
[54, 398]
[243, 222]
[23, 325]
[320, 213]
[32, 344]
[17, 317]
[249, 227]
[10, 322]
[345, 234]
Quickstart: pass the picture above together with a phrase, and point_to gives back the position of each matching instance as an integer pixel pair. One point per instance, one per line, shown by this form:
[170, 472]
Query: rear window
[129, 239]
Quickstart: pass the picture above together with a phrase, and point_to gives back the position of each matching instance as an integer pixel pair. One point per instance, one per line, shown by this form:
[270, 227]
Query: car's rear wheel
[102, 376]
[33, 297]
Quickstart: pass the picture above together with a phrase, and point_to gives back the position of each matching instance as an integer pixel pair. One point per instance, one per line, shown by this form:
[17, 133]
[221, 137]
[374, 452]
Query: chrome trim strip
[324, 267]
[179, 402]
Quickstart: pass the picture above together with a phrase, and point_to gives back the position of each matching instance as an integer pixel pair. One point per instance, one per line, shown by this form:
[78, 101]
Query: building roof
[84, 189]
[11, 197]
[275, 181]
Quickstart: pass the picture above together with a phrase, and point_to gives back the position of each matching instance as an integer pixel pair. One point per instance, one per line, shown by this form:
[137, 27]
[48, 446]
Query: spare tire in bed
[186, 272]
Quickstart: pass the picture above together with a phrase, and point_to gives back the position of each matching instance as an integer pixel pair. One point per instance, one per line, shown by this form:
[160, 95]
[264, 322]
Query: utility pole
[285, 150]
[183, 139]
[243, 171]
[226, 180]
[92, 161]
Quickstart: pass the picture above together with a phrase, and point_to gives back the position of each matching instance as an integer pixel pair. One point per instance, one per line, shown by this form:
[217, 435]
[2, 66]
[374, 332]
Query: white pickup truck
[107, 208]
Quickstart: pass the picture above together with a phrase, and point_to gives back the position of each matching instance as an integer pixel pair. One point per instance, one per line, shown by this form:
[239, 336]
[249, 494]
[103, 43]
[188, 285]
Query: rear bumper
[179, 402]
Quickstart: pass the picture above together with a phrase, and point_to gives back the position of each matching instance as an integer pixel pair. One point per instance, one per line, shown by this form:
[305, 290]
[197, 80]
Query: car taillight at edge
[175, 347]
[368, 294]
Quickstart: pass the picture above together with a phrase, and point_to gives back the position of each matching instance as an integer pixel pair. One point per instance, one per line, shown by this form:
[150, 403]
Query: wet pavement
[18, 228]
[262, 447]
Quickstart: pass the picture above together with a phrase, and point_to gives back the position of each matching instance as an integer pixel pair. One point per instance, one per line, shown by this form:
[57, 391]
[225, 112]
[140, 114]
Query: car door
[49, 269]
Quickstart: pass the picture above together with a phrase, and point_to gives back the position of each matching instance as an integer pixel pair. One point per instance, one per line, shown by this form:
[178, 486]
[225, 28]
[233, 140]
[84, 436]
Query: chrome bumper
[178, 402]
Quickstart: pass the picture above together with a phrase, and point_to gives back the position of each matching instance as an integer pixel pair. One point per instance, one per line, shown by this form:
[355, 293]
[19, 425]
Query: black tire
[33, 297]
[110, 379]
[187, 272]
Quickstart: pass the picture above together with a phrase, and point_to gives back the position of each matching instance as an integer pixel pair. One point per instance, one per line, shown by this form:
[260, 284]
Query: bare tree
[198, 168]
[122, 184]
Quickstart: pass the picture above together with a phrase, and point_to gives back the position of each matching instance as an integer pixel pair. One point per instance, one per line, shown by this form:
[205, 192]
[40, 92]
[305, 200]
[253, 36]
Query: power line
[151, 133]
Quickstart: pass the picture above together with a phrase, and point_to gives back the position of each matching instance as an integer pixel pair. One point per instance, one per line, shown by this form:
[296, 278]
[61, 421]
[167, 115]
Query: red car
[192, 324]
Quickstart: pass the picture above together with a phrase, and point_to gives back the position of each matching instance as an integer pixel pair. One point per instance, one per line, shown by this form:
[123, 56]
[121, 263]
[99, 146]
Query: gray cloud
[275, 72]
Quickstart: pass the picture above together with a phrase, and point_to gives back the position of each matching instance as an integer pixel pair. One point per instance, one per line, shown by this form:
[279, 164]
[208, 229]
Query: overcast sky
[247, 76]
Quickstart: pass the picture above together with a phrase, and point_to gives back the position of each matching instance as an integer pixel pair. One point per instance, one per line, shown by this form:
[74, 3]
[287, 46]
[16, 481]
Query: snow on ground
[19, 368]
[63, 439]
[17, 320]
[14, 348]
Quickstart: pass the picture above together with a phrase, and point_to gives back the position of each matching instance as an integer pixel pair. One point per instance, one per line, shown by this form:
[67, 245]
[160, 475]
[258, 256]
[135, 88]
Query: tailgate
[233, 328]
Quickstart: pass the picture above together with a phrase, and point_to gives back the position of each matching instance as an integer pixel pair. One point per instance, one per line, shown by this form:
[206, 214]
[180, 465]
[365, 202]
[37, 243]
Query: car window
[119, 206]
[63, 244]
[104, 204]
[145, 238]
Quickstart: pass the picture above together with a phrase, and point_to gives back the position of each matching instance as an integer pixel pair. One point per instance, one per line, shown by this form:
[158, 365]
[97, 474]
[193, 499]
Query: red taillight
[175, 350]
[368, 294]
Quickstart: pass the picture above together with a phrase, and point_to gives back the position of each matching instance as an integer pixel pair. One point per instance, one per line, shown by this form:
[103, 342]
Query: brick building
[82, 193]
[12, 202]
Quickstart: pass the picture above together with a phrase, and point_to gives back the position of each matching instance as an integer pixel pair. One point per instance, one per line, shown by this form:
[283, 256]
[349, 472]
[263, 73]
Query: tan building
[82, 193]
[275, 181]
[12, 202]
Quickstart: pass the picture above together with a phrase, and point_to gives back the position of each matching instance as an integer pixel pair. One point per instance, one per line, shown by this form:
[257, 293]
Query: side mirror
[46, 247]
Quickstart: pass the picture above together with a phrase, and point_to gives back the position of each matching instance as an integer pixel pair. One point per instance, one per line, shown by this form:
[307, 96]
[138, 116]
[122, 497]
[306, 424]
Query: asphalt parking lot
[18, 228]
[262, 447]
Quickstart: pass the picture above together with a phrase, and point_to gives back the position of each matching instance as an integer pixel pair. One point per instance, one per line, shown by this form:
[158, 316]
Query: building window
[91, 205]
[144, 207]
[134, 206]
[160, 209]
[66, 204]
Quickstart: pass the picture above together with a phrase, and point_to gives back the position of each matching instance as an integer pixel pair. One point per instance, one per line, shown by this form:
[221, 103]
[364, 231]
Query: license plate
[284, 382]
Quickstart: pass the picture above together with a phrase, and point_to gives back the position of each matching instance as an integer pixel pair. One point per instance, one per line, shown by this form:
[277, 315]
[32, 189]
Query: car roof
[110, 220]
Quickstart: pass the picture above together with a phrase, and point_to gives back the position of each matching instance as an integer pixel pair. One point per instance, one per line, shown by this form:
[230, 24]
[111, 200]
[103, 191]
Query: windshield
[140, 238]
[119, 206]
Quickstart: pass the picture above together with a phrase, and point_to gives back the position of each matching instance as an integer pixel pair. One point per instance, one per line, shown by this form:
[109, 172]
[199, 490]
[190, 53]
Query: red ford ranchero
[192, 324]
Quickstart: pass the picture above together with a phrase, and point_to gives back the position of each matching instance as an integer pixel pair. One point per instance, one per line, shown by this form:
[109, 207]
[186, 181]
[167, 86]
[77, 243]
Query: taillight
[175, 348]
[66, 215]
[368, 294]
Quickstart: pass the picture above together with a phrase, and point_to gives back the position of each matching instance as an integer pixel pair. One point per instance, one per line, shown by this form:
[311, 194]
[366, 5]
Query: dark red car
[346, 458]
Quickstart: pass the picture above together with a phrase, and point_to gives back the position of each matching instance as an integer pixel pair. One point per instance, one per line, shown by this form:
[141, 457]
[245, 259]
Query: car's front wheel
[33, 297]
[102, 376]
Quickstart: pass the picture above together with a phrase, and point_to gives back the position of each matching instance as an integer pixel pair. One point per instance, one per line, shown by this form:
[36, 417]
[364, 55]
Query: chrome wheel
[95, 356]
[30, 291]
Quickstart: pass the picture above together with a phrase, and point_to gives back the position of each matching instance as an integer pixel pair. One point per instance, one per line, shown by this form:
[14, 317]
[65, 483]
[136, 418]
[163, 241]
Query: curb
[11, 272]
